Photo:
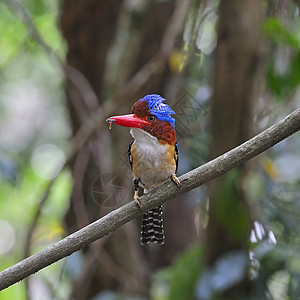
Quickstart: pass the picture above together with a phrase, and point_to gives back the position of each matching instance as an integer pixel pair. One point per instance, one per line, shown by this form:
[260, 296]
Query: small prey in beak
[111, 121]
[130, 120]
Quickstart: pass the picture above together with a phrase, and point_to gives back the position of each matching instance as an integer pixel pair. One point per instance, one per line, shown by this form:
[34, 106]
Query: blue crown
[159, 109]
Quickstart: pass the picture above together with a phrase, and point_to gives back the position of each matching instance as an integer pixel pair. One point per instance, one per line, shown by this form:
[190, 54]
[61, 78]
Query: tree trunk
[92, 30]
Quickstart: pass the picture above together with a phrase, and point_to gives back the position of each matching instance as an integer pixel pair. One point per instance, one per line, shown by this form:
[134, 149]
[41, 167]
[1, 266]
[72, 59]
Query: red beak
[128, 121]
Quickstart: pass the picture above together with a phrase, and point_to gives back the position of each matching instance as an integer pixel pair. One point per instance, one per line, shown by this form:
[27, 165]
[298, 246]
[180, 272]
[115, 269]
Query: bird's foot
[176, 180]
[137, 200]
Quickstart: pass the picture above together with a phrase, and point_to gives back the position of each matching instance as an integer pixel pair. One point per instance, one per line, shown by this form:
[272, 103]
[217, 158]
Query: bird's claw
[176, 180]
[137, 200]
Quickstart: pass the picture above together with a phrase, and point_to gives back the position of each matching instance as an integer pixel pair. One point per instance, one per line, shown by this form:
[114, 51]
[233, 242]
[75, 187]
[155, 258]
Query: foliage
[231, 212]
[28, 102]
[279, 263]
[178, 281]
[283, 72]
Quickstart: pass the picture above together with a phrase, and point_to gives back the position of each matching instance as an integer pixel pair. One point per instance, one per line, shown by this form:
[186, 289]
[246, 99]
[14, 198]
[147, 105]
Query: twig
[167, 191]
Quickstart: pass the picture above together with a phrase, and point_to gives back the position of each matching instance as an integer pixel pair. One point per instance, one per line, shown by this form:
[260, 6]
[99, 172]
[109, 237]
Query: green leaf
[232, 211]
[16, 291]
[278, 33]
[283, 84]
[12, 37]
[185, 273]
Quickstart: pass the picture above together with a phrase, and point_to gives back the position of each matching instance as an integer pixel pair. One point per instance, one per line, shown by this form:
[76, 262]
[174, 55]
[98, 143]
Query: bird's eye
[151, 118]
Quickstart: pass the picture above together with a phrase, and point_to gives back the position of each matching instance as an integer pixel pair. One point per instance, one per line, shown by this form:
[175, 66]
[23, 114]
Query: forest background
[230, 69]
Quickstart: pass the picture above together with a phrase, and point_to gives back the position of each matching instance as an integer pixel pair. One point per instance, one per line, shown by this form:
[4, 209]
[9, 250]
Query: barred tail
[152, 227]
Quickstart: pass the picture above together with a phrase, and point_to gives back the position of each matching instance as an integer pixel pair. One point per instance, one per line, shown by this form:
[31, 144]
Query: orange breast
[153, 164]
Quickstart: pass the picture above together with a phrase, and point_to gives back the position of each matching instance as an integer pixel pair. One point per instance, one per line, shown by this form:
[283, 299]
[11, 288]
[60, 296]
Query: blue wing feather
[176, 157]
[130, 159]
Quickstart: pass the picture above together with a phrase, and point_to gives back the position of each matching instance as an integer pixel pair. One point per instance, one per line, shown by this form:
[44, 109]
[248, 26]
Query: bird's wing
[176, 156]
[130, 159]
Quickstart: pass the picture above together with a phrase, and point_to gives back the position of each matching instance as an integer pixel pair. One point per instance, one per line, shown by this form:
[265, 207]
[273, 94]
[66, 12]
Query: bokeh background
[230, 69]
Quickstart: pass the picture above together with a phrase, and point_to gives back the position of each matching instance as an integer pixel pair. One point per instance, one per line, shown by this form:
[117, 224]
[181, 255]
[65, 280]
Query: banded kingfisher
[153, 156]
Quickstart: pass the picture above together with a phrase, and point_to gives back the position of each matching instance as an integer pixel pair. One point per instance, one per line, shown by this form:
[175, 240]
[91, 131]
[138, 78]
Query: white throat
[148, 146]
[142, 136]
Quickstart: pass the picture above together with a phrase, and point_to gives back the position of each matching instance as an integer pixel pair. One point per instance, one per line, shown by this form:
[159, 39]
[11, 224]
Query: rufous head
[152, 115]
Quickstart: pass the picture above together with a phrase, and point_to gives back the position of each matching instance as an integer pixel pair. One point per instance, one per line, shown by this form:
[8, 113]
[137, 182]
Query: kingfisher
[153, 156]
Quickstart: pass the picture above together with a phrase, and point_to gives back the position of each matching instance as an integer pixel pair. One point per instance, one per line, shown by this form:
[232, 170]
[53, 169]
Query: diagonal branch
[167, 191]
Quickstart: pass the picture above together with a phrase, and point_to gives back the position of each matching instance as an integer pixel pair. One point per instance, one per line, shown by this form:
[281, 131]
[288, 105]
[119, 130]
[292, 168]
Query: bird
[153, 156]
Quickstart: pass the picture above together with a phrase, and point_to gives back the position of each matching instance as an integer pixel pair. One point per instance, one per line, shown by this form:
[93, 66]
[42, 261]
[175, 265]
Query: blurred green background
[36, 128]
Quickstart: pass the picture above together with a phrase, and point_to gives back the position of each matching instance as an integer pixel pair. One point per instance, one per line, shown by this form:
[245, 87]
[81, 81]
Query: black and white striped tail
[152, 227]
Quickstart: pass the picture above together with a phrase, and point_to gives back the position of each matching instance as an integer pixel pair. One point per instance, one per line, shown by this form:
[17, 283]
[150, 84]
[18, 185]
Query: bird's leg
[136, 192]
[176, 180]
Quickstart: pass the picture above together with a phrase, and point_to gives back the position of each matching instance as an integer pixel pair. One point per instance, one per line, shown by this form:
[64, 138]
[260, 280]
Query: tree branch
[167, 191]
